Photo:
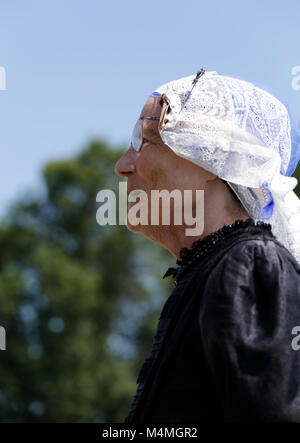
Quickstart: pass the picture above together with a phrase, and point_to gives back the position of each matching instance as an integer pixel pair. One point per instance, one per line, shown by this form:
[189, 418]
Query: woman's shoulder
[258, 251]
[253, 270]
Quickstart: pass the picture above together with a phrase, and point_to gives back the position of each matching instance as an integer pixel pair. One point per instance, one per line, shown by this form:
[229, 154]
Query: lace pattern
[200, 248]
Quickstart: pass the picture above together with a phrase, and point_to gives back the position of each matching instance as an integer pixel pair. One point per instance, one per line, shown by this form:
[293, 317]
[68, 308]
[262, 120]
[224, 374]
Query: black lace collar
[202, 246]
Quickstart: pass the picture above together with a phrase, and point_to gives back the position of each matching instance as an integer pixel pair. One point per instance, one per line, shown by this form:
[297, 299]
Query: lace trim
[202, 246]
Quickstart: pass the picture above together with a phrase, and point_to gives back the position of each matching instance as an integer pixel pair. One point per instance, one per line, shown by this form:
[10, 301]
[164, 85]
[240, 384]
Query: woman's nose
[126, 164]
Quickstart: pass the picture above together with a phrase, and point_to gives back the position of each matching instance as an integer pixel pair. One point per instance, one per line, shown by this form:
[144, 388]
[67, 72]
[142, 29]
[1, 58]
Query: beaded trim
[202, 246]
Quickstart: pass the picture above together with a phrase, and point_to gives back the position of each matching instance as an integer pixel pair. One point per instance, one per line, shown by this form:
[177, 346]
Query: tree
[66, 287]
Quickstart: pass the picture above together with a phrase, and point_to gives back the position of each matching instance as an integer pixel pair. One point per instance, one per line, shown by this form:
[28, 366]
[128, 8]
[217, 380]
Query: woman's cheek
[145, 164]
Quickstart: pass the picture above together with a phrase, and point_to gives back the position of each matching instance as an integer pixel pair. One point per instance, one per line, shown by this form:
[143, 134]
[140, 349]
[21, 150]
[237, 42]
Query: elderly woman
[223, 350]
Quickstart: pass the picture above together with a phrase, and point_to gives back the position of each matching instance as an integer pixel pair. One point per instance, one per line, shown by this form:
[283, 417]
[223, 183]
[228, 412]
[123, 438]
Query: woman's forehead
[152, 107]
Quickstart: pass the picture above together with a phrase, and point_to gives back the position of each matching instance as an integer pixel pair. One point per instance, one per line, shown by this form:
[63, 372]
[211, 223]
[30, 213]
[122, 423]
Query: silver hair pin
[194, 82]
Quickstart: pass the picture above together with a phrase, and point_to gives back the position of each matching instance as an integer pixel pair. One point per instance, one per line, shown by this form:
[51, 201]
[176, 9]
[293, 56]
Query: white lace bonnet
[245, 136]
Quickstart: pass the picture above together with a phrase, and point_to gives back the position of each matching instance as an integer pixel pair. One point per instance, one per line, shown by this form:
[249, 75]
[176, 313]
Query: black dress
[223, 350]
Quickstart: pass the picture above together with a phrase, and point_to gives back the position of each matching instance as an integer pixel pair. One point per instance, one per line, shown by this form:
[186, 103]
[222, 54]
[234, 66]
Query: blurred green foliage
[79, 301]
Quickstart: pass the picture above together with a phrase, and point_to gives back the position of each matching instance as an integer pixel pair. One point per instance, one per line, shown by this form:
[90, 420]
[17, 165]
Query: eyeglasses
[137, 134]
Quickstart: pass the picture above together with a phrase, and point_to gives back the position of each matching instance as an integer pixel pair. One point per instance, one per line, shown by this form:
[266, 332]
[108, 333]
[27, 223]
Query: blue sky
[83, 69]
